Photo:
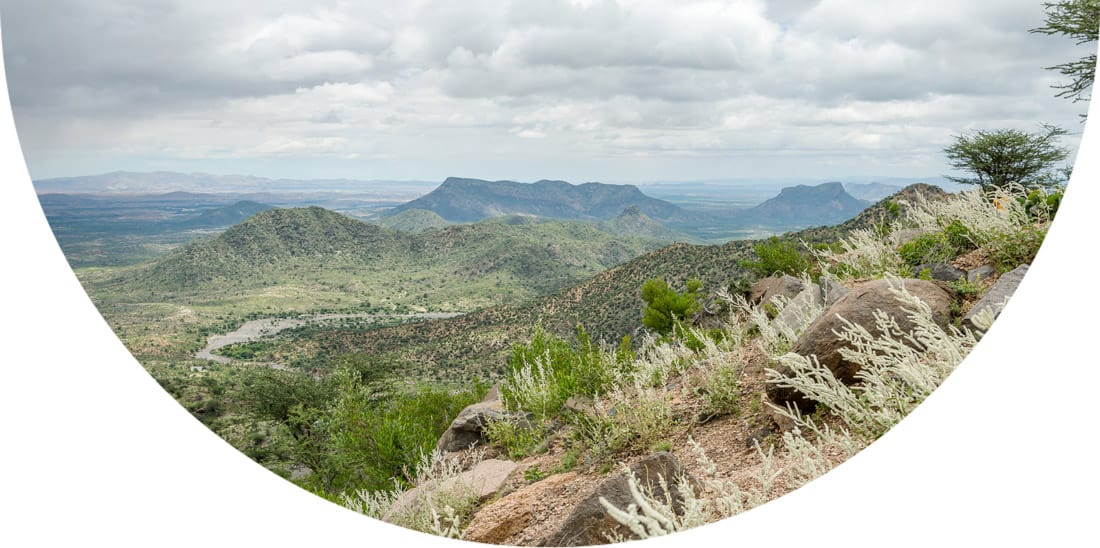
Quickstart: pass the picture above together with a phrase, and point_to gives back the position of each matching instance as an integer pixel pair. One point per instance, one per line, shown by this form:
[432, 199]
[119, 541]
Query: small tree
[1006, 156]
[666, 307]
[1080, 20]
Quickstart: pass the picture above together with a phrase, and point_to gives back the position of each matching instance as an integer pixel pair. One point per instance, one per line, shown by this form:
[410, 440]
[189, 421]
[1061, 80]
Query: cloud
[583, 88]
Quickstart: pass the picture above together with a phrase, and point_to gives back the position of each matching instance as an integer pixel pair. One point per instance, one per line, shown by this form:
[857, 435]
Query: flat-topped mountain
[802, 205]
[469, 200]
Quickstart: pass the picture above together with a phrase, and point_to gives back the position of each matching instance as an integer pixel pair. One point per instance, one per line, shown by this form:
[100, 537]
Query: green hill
[309, 258]
[413, 220]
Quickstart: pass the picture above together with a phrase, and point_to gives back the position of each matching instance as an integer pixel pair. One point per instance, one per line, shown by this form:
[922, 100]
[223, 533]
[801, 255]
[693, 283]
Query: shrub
[549, 370]
[1009, 250]
[927, 248]
[665, 308]
[722, 389]
[516, 440]
[776, 256]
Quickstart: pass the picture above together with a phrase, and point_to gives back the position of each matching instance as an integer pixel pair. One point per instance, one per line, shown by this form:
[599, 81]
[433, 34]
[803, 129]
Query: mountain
[224, 216]
[871, 192]
[316, 257]
[469, 200]
[608, 305]
[413, 220]
[632, 222]
[804, 206]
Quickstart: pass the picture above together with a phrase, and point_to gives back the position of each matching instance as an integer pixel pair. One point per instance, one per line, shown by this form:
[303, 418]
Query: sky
[582, 90]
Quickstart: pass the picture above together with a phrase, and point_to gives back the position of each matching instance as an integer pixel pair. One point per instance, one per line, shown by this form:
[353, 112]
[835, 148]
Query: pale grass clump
[775, 335]
[637, 415]
[898, 369]
[441, 505]
[657, 362]
[985, 213]
[533, 387]
[865, 253]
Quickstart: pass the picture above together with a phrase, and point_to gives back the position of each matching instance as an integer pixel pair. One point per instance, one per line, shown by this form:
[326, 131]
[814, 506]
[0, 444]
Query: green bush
[1009, 250]
[549, 370]
[777, 257]
[959, 237]
[666, 307]
[927, 248]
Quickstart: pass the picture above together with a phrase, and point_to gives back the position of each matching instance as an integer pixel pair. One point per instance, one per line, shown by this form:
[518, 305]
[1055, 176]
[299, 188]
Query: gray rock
[468, 427]
[589, 523]
[799, 306]
[940, 271]
[858, 306]
[483, 481]
[765, 288]
[980, 273]
[832, 291]
[997, 295]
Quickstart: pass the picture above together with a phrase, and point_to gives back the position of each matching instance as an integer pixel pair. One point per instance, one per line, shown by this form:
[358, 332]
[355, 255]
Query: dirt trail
[265, 327]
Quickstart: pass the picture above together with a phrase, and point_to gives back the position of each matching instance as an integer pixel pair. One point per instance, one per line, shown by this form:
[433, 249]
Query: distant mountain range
[805, 206]
[469, 200]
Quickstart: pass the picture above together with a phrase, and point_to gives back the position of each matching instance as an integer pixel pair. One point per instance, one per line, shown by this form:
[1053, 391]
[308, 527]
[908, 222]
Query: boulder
[858, 307]
[482, 481]
[505, 520]
[997, 295]
[980, 273]
[940, 271]
[832, 291]
[800, 306]
[589, 523]
[468, 427]
[765, 288]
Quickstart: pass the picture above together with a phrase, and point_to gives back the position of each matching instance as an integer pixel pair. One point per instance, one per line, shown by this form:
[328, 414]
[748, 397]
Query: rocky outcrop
[998, 295]
[940, 271]
[505, 521]
[858, 306]
[468, 427]
[589, 523]
[483, 481]
[980, 273]
[765, 288]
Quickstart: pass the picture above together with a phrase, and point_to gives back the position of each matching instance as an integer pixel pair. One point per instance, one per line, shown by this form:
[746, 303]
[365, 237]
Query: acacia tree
[1080, 20]
[1001, 157]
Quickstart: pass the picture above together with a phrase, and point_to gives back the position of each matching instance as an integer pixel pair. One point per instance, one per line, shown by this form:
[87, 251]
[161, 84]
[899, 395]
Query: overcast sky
[524, 90]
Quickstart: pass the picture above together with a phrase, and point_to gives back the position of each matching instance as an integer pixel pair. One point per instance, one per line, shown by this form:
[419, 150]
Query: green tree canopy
[1080, 20]
[1001, 157]
[665, 306]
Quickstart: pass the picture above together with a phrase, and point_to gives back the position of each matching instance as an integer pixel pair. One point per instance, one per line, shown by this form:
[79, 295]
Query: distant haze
[610, 91]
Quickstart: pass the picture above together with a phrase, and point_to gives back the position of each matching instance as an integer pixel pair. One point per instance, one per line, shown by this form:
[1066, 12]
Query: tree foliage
[776, 256]
[1079, 20]
[998, 158]
[666, 307]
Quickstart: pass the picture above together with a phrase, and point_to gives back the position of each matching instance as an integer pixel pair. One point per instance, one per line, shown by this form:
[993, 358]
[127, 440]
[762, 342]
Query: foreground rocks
[589, 523]
[997, 296]
[858, 306]
[483, 481]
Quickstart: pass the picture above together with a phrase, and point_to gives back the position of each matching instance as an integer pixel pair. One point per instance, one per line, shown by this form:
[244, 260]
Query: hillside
[413, 220]
[224, 216]
[633, 222]
[469, 200]
[608, 305]
[295, 259]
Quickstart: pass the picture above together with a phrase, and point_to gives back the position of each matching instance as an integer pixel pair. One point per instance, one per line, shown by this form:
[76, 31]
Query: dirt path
[265, 327]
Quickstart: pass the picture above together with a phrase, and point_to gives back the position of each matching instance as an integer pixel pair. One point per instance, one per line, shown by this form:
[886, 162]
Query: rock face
[764, 289]
[468, 427]
[997, 295]
[589, 523]
[983, 272]
[858, 307]
[482, 481]
[941, 271]
[505, 520]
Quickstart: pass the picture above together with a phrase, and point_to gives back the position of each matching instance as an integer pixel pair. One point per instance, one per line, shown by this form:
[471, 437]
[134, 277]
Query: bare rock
[980, 273]
[858, 307]
[468, 427]
[765, 288]
[832, 291]
[589, 523]
[483, 481]
[997, 295]
[503, 520]
[799, 306]
[940, 271]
